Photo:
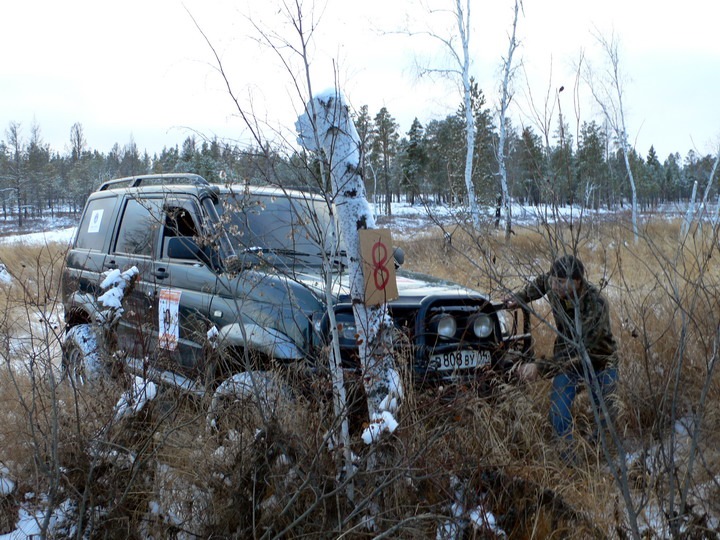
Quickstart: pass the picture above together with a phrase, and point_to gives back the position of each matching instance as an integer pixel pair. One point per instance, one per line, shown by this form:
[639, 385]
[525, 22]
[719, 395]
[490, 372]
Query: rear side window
[95, 223]
[139, 226]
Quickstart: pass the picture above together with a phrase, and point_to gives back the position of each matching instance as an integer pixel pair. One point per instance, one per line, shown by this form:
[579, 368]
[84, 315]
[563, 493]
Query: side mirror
[186, 249]
[399, 256]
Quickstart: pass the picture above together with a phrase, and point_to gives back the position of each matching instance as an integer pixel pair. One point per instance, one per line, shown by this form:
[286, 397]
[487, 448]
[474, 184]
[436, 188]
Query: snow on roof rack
[155, 180]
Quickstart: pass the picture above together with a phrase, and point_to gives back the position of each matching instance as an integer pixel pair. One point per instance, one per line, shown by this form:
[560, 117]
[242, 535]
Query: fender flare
[84, 303]
[269, 341]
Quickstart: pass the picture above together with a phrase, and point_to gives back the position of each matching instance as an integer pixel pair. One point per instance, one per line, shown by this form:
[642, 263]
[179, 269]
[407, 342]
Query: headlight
[483, 326]
[444, 325]
[348, 331]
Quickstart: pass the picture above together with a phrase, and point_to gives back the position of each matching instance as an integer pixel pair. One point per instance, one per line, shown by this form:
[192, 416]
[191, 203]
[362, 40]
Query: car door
[135, 245]
[86, 259]
[184, 288]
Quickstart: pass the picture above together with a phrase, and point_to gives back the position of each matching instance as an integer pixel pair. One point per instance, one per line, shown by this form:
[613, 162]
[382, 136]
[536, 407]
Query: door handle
[160, 273]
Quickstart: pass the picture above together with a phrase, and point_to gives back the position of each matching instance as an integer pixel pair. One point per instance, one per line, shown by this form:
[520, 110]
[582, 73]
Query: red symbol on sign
[381, 274]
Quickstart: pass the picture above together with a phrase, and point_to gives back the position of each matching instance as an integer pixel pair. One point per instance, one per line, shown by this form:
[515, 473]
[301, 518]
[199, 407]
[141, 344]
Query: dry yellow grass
[664, 297]
[665, 314]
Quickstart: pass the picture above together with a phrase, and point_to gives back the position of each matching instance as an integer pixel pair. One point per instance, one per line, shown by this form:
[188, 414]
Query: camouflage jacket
[592, 325]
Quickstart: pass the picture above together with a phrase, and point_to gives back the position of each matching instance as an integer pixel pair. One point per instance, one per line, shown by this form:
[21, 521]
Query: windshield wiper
[336, 258]
[259, 250]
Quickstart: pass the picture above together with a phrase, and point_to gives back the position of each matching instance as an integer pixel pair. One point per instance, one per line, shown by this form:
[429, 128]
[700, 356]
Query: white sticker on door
[95, 221]
[169, 323]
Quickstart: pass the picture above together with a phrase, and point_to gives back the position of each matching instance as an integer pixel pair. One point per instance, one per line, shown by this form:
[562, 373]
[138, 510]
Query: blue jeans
[565, 386]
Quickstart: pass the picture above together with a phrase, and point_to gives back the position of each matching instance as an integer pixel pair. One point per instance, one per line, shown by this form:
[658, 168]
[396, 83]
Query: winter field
[127, 459]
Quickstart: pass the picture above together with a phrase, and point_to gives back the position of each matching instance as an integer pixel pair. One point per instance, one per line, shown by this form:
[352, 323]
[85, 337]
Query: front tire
[249, 398]
[81, 362]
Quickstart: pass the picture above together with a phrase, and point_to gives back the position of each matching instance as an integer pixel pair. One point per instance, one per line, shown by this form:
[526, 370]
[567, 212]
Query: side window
[95, 223]
[139, 226]
[179, 221]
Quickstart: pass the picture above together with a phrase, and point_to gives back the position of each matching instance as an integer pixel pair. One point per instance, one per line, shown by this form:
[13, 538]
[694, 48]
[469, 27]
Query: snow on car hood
[410, 285]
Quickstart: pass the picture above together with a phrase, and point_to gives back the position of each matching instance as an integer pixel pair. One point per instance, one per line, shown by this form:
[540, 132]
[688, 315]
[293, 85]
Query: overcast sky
[141, 70]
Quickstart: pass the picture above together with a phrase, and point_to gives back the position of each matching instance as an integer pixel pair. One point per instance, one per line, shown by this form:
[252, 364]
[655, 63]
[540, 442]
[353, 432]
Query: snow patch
[63, 236]
[133, 400]
[7, 486]
[379, 423]
[259, 387]
[5, 277]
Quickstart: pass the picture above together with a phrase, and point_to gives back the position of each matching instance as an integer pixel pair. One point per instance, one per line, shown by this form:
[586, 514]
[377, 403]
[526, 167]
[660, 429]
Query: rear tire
[81, 362]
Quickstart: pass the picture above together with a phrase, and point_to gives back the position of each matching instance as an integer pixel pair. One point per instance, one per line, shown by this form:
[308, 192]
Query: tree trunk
[463, 21]
[504, 103]
[327, 127]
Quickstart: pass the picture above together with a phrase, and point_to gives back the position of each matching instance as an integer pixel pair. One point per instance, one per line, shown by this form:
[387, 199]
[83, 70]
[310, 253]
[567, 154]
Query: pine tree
[364, 127]
[16, 165]
[655, 177]
[384, 143]
[445, 150]
[530, 165]
[672, 178]
[592, 174]
[413, 161]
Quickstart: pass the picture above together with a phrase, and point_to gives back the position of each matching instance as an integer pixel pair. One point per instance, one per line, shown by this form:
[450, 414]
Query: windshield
[279, 225]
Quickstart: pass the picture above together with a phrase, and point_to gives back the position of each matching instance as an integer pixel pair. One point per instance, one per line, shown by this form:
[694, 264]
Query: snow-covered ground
[63, 235]
[406, 219]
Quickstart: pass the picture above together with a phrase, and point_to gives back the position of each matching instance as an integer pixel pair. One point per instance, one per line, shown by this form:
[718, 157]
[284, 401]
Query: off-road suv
[238, 278]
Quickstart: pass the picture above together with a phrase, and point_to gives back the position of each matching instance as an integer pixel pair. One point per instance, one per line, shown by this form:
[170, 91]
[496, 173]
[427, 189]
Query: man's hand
[528, 372]
[509, 302]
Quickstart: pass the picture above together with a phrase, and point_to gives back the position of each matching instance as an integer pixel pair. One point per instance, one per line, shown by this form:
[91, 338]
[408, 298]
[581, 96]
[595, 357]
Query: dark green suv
[238, 278]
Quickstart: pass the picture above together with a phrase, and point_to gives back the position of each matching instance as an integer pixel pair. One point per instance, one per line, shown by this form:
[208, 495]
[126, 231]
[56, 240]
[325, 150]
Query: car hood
[412, 287]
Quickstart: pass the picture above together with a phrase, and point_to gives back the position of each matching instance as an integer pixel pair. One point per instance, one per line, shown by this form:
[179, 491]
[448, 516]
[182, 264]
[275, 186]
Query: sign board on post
[378, 266]
[168, 314]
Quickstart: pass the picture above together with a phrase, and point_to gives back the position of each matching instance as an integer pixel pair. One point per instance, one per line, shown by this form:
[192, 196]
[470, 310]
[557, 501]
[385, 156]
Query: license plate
[453, 360]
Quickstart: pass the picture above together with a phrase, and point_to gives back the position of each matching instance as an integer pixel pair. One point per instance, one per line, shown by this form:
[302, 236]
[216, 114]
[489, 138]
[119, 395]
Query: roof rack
[155, 180]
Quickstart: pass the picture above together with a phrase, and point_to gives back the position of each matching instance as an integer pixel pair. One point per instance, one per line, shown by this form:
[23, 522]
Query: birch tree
[505, 99]
[326, 127]
[690, 212]
[463, 24]
[608, 92]
[16, 164]
[460, 69]
[291, 50]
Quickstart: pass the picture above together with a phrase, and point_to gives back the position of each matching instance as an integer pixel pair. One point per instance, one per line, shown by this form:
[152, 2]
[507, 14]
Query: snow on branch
[117, 285]
[133, 400]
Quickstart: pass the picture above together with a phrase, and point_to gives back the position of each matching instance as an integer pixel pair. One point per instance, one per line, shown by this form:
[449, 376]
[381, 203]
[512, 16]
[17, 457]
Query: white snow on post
[479, 518]
[326, 127]
[379, 423]
[116, 283]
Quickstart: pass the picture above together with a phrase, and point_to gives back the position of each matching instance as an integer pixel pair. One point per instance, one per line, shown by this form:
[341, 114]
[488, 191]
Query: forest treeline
[583, 166]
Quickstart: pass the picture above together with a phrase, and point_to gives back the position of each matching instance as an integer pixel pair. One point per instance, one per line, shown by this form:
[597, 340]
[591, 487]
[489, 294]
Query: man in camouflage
[585, 350]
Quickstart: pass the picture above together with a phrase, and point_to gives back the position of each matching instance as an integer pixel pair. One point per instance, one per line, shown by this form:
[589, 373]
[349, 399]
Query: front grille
[415, 334]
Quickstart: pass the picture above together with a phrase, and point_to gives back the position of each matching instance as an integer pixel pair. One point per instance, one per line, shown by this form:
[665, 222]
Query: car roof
[186, 183]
